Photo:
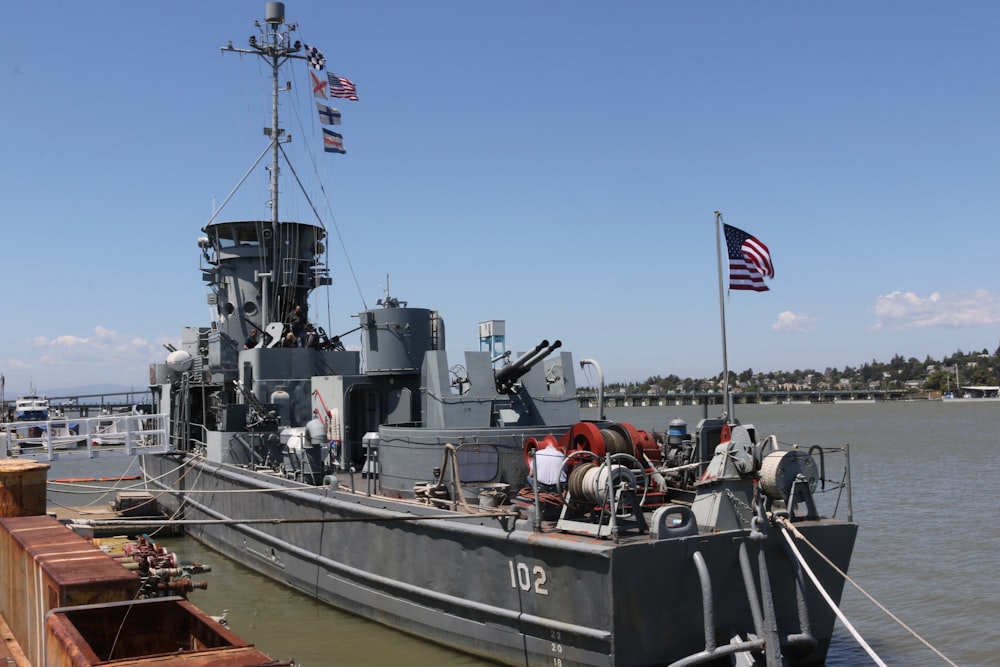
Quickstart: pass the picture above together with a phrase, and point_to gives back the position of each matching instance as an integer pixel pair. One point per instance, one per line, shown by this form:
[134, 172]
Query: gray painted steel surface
[358, 484]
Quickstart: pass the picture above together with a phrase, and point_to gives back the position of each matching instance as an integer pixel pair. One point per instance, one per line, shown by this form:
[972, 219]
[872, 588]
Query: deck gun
[510, 374]
[261, 414]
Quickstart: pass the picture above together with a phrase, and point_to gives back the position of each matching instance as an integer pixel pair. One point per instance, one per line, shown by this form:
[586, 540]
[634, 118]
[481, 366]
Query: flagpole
[722, 317]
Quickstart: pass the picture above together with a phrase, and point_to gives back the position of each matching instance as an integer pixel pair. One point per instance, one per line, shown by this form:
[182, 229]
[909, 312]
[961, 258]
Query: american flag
[314, 57]
[749, 260]
[341, 87]
[333, 142]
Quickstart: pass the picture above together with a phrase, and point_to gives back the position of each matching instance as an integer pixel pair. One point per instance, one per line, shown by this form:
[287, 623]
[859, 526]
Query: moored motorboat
[31, 407]
[36, 425]
[398, 488]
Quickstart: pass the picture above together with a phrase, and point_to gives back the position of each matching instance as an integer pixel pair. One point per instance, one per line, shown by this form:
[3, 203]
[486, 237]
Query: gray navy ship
[396, 485]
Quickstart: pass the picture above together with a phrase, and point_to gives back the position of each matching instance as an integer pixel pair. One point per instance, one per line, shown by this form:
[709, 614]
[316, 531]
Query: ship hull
[497, 589]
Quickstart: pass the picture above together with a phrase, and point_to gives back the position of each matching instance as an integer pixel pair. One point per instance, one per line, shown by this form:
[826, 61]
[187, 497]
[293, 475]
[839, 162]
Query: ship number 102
[528, 579]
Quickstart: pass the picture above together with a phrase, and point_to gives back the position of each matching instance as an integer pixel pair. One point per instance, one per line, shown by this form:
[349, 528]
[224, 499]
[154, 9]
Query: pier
[90, 405]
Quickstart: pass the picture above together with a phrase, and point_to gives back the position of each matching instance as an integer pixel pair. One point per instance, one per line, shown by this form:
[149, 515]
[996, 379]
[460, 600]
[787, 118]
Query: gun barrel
[508, 375]
[523, 359]
[518, 363]
[542, 354]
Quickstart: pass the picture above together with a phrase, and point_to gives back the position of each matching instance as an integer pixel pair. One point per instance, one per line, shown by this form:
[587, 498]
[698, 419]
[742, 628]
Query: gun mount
[510, 374]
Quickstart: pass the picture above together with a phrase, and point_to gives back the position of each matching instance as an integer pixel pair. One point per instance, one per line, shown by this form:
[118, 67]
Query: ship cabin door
[363, 407]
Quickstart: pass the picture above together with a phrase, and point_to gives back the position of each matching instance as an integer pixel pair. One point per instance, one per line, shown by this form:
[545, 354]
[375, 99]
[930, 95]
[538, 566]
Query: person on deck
[549, 461]
[297, 322]
[251, 341]
[312, 339]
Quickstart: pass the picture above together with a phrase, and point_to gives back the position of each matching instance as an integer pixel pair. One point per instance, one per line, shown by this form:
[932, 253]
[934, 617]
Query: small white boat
[111, 428]
[31, 407]
[60, 434]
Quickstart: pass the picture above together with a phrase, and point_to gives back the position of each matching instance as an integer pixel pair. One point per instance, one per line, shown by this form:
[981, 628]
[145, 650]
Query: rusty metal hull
[144, 632]
[64, 602]
[45, 565]
[22, 487]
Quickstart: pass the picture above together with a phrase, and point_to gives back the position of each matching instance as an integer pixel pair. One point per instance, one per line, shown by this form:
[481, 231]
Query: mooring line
[792, 529]
[836, 610]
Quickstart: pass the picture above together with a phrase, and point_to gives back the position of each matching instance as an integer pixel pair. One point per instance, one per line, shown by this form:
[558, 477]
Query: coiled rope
[528, 493]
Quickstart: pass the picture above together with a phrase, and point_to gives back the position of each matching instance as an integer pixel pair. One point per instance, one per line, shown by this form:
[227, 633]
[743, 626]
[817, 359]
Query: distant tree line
[928, 376]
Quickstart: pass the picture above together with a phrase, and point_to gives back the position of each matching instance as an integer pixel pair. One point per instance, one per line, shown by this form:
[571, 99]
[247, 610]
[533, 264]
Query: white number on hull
[521, 577]
[556, 647]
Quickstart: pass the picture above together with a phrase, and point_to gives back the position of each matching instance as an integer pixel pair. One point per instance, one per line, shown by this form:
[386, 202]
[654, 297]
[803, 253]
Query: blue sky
[553, 164]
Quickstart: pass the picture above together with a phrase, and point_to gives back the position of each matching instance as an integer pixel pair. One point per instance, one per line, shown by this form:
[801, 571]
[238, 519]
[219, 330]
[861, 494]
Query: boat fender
[672, 521]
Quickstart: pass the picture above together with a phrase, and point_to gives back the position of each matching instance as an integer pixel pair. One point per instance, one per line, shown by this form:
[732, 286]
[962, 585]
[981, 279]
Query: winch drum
[780, 469]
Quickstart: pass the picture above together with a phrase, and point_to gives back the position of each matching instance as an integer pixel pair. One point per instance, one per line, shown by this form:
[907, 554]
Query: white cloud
[66, 341]
[797, 322]
[105, 334]
[906, 310]
[67, 359]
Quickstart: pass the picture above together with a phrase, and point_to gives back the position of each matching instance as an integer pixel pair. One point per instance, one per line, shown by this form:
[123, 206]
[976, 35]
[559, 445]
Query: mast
[722, 317]
[260, 270]
[274, 47]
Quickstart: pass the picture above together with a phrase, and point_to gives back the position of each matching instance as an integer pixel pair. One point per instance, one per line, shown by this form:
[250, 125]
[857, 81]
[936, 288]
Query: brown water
[926, 479]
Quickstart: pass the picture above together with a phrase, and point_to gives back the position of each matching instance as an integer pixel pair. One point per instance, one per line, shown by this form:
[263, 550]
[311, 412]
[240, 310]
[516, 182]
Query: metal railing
[86, 438]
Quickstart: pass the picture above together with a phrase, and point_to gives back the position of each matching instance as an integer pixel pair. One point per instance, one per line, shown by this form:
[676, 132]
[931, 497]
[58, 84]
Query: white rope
[836, 610]
[683, 467]
[868, 596]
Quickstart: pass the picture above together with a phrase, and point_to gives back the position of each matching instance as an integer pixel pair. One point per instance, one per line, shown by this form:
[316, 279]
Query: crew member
[550, 472]
[312, 339]
[297, 323]
[550, 464]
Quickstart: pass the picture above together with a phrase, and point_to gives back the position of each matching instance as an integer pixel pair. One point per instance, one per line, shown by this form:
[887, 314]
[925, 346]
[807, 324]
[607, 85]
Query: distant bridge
[625, 400]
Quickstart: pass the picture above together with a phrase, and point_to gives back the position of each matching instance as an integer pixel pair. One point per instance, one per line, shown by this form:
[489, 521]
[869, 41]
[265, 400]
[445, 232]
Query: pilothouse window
[238, 234]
